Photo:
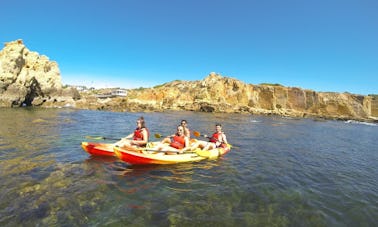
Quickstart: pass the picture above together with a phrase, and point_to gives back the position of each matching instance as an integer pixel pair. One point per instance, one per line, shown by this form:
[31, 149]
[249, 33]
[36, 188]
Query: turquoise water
[280, 172]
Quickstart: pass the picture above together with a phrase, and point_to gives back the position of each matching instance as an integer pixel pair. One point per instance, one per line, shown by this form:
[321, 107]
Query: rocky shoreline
[29, 79]
[227, 95]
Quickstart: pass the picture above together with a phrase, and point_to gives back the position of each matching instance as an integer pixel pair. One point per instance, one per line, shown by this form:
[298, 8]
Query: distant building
[81, 88]
[78, 87]
[112, 94]
[120, 92]
[104, 96]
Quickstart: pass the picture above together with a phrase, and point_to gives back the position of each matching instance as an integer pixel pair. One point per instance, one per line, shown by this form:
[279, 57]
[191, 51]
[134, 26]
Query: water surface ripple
[280, 172]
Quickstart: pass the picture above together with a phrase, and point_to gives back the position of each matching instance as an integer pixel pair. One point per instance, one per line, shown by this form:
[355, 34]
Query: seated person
[177, 143]
[218, 139]
[139, 136]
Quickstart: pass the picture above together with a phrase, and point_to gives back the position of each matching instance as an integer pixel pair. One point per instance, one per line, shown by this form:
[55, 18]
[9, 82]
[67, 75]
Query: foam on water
[361, 123]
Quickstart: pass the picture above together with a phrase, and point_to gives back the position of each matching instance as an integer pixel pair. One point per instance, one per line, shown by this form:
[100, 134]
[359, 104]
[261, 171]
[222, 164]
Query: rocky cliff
[27, 78]
[223, 94]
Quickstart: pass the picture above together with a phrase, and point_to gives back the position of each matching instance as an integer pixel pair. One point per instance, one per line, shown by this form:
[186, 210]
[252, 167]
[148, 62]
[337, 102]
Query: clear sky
[323, 45]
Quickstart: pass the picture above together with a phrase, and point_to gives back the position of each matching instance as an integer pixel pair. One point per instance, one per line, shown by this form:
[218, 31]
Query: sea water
[280, 172]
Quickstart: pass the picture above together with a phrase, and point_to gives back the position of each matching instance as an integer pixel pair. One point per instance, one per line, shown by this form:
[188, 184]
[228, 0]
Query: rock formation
[29, 79]
[223, 94]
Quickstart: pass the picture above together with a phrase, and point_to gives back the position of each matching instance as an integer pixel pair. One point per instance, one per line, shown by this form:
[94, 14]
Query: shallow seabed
[280, 172]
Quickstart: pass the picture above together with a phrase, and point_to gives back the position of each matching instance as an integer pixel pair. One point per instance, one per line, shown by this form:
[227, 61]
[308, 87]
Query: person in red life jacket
[139, 136]
[218, 139]
[177, 143]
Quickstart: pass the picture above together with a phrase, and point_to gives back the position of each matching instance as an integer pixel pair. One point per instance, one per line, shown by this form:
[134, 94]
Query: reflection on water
[280, 172]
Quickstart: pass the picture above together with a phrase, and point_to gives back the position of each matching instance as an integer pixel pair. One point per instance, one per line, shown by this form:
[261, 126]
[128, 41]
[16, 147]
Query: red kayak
[98, 149]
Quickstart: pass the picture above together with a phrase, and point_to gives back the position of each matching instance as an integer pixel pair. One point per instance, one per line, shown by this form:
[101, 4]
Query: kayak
[98, 149]
[145, 156]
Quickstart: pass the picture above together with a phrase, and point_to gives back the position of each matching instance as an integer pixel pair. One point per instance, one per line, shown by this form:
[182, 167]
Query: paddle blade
[101, 138]
[196, 134]
[95, 137]
[157, 135]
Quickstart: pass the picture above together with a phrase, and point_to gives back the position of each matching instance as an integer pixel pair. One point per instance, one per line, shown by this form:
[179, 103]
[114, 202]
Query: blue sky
[323, 45]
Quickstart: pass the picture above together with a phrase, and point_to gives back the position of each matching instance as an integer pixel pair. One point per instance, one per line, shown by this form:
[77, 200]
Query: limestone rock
[27, 78]
[216, 93]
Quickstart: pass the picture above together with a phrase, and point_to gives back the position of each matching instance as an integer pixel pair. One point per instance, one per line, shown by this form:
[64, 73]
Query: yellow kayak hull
[146, 156]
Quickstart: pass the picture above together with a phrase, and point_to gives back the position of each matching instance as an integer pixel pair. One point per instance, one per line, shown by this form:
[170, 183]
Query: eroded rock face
[223, 94]
[27, 78]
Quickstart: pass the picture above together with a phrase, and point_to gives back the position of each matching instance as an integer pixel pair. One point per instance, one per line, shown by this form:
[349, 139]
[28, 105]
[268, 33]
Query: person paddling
[139, 137]
[218, 139]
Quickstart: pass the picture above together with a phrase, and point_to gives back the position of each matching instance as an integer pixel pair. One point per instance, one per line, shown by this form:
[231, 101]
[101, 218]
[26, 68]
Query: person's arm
[129, 136]
[167, 139]
[186, 145]
[224, 139]
[124, 139]
[145, 138]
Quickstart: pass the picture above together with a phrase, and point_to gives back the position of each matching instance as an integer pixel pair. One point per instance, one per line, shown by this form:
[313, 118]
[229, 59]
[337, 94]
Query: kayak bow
[98, 149]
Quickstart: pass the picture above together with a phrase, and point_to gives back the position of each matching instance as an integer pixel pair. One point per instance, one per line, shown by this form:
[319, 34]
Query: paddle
[198, 152]
[198, 134]
[101, 138]
[158, 136]
[162, 151]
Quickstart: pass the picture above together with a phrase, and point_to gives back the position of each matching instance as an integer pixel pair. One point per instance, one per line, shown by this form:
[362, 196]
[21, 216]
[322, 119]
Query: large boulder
[27, 78]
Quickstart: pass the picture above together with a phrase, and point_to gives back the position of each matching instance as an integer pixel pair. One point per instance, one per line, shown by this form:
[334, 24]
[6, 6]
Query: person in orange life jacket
[177, 143]
[139, 136]
[218, 139]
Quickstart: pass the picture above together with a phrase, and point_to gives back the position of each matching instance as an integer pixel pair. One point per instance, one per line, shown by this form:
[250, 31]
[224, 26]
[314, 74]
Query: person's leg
[209, 146]
[198, 144]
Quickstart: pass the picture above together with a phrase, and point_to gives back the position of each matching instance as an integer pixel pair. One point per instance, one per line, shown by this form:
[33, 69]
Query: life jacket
[138, 135]
[178, 142]
[216, 138]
